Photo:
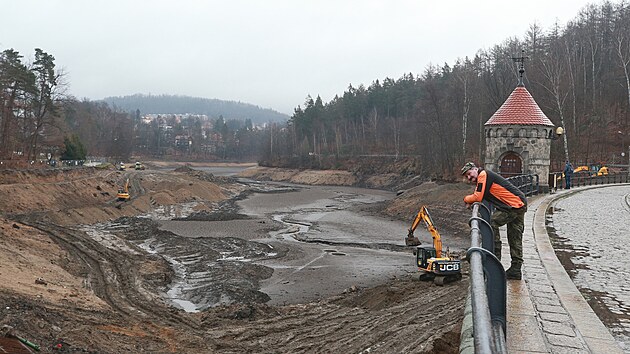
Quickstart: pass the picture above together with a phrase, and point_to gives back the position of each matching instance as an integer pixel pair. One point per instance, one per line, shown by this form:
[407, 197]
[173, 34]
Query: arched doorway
[511, 165]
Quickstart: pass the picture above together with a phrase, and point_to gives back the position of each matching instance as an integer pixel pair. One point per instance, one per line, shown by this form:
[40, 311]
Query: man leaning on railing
[510, 204]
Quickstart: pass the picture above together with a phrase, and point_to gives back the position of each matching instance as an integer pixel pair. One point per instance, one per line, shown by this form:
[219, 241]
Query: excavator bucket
[412, 241]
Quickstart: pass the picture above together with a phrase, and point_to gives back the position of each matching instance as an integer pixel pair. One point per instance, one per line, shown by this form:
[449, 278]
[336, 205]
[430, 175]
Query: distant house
[183, 141]
[209, 148]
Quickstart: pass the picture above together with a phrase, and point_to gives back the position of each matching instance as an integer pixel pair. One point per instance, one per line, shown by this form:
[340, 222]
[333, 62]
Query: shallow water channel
[333, 244]
[319, 241]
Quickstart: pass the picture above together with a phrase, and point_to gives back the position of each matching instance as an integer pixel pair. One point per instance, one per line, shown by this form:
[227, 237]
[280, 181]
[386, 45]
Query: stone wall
[531, 142]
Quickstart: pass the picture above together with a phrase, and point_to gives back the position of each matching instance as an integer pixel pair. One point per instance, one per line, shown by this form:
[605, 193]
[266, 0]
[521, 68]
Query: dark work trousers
[515, 220]
[568, 181]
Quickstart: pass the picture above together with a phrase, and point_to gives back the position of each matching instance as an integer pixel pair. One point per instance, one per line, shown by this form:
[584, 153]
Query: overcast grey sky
[271, 53]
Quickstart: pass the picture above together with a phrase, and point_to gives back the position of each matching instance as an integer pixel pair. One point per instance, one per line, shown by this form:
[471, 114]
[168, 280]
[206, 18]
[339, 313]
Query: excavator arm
[424, 216]
[123, 193]
[126, 188]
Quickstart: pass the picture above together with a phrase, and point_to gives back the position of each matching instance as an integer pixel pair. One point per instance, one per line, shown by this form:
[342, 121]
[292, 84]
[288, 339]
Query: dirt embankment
[312, 177]
[67, 279]
[379, 171]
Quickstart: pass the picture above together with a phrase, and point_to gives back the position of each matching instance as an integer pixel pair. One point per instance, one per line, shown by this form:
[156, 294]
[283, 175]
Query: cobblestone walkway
[599, 251]
[546, 312]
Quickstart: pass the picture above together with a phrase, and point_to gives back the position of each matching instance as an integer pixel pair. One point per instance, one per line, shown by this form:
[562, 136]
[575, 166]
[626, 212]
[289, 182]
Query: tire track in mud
[112, 277]
[386, 319]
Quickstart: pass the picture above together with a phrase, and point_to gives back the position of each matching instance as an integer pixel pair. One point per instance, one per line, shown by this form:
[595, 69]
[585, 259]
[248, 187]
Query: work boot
[514, 273]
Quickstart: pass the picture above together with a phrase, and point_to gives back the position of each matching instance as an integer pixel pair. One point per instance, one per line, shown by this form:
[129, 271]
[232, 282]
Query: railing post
[525, 183]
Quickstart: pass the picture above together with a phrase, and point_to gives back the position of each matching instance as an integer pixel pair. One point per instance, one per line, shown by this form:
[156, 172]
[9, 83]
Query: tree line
[197, 137]
[579, 74]
[38, 120]
[177, 104]
[29, 98]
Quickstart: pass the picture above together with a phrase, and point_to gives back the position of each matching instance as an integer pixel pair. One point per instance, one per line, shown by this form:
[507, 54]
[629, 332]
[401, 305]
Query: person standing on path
[568, 173]
[510, 204]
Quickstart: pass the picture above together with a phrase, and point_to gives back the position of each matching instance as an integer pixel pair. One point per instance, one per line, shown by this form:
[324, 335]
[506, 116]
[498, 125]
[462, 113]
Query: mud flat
[196, 263]
[319, 243]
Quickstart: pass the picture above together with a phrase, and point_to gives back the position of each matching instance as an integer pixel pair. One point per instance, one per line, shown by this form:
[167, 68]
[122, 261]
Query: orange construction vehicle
[432, 263]
[123, 193]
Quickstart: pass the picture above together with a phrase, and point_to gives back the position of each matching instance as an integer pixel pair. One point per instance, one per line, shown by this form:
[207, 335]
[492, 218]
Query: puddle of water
[100, 234]
[168, 212]
[175, 293]
[179, 284]
[293, 228]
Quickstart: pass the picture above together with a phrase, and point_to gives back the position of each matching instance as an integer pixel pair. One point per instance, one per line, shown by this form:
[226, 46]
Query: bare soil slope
[95, 293]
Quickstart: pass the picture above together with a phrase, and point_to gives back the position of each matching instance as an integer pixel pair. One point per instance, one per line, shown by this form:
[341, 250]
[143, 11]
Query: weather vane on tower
[521, 66]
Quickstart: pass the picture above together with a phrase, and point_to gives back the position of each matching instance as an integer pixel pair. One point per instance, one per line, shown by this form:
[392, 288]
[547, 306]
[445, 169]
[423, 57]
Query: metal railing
[528, 184]
[557, 179]
[488, 289]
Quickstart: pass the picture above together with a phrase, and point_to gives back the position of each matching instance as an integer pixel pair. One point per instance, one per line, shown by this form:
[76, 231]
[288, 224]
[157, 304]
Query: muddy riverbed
[315, 240]
[201, 263]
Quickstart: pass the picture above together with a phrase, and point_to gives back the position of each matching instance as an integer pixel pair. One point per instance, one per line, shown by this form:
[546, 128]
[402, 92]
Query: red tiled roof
[519, 108]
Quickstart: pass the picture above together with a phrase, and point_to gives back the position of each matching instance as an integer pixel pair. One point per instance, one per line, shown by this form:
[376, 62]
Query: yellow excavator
[433, 265]
[123, 193]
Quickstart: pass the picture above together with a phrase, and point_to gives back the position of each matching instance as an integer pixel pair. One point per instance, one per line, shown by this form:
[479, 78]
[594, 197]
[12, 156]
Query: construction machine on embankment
[123, 193]
[431, 262]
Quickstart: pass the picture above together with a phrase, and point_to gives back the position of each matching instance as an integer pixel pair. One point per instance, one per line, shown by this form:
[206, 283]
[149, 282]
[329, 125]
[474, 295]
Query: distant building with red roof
[518, 138]
[520, 109]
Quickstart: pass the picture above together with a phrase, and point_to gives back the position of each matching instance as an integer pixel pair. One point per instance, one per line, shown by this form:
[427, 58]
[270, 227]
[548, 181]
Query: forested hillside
[170, 104]
[579, 74]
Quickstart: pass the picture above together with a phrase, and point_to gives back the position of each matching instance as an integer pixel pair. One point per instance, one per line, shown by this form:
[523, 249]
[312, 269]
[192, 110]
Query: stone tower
[518, 138]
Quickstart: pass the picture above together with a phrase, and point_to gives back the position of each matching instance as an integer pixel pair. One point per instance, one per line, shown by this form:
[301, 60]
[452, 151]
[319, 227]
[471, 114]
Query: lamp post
[621, 137]
[623, 144]
[559, 132]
